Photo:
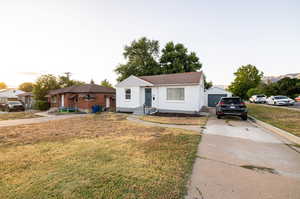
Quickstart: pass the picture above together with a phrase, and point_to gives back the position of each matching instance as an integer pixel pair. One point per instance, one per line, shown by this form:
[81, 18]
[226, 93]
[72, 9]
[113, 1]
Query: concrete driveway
[239, 160]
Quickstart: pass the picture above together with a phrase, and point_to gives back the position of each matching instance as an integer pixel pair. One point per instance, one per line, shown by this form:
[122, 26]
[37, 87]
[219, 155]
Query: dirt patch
[176, 115]
[90, 126]
[176, 120]
[18, 115]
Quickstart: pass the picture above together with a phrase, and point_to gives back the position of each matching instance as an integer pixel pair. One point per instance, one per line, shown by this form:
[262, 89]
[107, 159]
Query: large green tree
[43, 85]
[141, 57]
[3, 85]
[246, 77]
[175, 58]
[26, 86]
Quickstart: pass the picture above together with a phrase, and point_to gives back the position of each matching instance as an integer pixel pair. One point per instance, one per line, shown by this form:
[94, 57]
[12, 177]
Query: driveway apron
[237, 160]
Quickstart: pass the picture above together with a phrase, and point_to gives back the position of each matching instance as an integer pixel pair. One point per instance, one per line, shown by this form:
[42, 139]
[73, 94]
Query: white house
[9, 94]
[169, 93]
[214, 94]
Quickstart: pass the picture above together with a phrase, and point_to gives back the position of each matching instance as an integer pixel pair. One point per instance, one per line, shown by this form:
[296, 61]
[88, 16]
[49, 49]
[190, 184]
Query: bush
[254, 91]
[41, 105]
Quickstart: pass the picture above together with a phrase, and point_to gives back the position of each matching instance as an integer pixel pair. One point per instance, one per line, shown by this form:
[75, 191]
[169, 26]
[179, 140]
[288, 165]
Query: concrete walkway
[45, 117]
[186, 127]
[239, 160]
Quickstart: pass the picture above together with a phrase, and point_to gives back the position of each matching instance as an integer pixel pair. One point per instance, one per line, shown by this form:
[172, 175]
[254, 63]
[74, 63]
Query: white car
[280, 100]
[258, 99]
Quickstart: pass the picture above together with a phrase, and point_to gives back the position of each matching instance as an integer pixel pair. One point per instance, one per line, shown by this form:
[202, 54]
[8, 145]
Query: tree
[26, 86]
[43, 85]
[246, 77]
[106, 83]
[66, 81]
[176, 59]
[253, 91]
[141, 56]
[207, 85]
[3, 85]
[288, 87]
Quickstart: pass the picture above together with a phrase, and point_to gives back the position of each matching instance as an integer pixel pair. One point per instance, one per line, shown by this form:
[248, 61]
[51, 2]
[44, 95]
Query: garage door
[213, 99]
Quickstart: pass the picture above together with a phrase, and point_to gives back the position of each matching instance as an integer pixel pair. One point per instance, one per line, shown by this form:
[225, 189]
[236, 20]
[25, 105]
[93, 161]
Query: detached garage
[214, 94]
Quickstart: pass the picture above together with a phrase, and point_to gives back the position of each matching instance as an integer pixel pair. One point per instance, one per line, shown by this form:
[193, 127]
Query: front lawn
[176, 120]
[17, 115]
[285, 119]
[96, 156]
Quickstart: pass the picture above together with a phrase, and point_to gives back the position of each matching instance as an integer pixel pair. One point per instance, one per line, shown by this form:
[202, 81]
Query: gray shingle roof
[86, 88]
[176, 78]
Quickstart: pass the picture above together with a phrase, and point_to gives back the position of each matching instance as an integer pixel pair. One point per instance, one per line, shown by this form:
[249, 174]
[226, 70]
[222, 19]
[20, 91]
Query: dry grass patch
[17, 115]
[100, 156]
[176, 120]
[285, 119]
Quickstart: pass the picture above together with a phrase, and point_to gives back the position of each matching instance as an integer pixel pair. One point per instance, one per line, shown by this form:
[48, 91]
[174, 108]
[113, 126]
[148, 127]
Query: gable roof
[132, 81]
[26, 94]
[10, 93]
[86, 88]
[176, 78]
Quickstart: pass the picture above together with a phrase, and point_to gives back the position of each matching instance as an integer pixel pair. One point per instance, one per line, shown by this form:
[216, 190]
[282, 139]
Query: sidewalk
[45, 117]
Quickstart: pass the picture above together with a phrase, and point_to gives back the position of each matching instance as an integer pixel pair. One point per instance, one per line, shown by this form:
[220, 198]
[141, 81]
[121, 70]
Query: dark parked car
[12, 106]
[232, 106]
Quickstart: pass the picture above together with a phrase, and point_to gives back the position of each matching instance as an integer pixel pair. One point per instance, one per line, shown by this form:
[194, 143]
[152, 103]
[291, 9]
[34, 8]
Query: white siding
[135, 100]
[191, 99]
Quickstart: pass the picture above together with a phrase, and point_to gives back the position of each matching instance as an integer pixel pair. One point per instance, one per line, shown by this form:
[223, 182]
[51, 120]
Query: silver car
[280, 100]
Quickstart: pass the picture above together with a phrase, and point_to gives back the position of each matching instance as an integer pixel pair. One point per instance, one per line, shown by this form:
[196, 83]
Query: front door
[107, 104]
[148, 97]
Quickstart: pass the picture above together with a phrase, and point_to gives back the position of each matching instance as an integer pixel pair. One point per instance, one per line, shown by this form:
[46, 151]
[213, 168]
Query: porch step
[150, 110]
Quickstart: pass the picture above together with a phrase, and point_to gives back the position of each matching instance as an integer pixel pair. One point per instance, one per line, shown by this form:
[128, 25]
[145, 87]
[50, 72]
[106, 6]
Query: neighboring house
[83, 97]
[214, 94]
[169, 93]
[27, 99]
[9, 94]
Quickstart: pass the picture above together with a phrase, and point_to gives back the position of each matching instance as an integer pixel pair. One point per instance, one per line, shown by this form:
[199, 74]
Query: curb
[282, 107]
[276, 130]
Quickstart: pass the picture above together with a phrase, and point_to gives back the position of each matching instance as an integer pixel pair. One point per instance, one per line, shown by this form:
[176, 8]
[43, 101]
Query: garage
[213, 99]
[214, 94]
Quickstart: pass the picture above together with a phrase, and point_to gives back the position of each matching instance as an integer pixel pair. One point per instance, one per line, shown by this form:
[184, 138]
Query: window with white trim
[175, 94]
[128, 94]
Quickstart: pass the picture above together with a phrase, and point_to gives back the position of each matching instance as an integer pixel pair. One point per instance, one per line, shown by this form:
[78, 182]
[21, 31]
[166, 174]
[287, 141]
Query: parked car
[12, 106]
[297, 99]
[262, 99]
[280, 100]
[231, 106]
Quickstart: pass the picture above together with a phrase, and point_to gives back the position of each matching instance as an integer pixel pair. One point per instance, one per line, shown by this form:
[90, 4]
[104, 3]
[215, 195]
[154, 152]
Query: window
[128, 93]
[175, 94]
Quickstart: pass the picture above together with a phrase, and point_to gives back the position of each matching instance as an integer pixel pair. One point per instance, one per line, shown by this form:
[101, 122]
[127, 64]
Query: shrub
[41, 105]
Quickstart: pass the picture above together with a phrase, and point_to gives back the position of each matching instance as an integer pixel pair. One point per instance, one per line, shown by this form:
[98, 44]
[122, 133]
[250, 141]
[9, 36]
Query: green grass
[76, 158]
[285, 119]
[17, 115]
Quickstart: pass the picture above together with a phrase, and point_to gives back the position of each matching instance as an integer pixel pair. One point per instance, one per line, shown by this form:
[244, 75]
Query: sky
[88, 37]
